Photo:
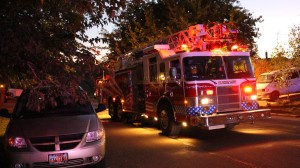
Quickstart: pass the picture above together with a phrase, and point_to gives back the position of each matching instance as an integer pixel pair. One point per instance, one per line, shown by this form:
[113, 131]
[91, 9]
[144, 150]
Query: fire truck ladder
[201, 37]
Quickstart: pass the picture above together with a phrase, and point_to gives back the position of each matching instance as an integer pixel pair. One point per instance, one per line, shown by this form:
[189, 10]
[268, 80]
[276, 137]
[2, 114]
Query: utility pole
[266, 54]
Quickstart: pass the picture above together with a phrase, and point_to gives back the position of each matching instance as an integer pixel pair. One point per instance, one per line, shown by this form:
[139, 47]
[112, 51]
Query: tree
[139, 25]
[260, 66]
[294, 41]
[279, 58]
[294, 45]
[41, 39]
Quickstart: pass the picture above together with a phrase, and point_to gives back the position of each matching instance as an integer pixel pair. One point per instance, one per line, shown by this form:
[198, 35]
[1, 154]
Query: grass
[3, 125]
[9, 105]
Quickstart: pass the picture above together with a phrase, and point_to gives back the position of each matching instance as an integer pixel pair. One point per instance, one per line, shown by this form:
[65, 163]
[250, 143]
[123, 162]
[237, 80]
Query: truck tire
[111, 111]
[118, 111]
[167, 122]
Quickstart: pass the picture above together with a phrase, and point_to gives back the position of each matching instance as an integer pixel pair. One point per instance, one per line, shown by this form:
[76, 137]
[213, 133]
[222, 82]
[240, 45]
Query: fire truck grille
[228, 99]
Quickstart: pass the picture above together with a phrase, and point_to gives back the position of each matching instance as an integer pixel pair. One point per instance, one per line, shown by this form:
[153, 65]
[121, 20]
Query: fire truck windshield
[217, 67]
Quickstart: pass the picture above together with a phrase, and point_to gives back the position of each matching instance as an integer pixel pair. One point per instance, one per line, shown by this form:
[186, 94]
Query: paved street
[266, 144]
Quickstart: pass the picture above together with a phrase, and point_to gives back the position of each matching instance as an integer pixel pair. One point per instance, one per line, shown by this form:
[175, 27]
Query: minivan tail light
[17, 142]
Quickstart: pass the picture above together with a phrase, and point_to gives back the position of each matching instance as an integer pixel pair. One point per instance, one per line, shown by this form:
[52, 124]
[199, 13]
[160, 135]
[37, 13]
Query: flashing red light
[249, 91]
[114, 99]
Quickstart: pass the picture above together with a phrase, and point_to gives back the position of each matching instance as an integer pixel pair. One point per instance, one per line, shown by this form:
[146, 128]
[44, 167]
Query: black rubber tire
[167, 122]
[111, 111]
[118, 111]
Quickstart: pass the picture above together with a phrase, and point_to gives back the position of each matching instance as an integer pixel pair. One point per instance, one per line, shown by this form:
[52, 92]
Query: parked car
[51, 127]
[271, 85]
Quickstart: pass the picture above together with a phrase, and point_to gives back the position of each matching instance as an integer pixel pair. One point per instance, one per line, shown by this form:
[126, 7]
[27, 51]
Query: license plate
[58, 158]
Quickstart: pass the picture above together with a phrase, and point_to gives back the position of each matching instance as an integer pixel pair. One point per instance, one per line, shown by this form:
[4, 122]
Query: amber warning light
[248, 89]
[209, 92]
[185, 47]
[239, 48]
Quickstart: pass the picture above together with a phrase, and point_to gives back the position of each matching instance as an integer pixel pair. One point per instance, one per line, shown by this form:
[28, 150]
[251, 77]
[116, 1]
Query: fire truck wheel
[119, 112]
[115, 112]
[167, 122]
[111, 111]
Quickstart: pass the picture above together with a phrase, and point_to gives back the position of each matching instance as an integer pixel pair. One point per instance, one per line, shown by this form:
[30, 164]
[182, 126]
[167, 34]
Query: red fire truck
[196, 77]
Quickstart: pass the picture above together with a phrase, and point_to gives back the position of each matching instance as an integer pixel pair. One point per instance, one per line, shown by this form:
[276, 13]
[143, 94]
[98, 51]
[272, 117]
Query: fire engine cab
[196, 77]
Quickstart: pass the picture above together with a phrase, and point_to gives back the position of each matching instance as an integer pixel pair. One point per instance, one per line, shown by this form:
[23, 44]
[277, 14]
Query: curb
[283, 113]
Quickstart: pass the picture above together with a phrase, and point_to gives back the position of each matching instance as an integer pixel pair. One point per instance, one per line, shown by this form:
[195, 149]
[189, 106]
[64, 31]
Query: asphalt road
[273, 143]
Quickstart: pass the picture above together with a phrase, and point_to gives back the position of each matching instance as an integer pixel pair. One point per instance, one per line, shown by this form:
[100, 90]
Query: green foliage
[140, 25]
[279, 59]
[294, 41]
[41, 39]
[260, 66]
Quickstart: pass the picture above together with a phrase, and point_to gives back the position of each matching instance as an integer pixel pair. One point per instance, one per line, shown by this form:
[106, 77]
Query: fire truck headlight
[253, 97]
[205, 101]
